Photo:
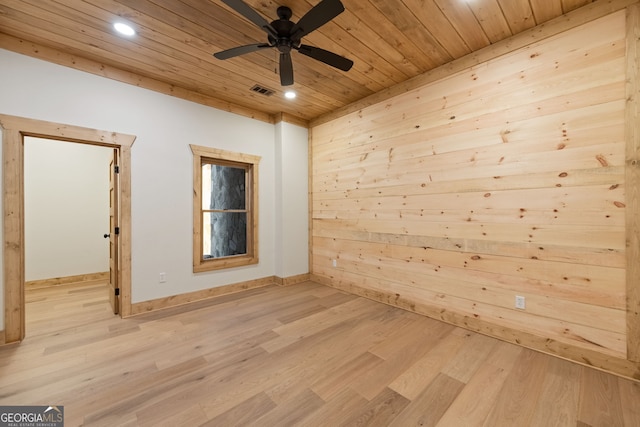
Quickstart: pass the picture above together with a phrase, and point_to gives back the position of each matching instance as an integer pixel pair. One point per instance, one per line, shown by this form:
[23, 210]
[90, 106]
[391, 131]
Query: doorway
[66, 209]
[14, 130]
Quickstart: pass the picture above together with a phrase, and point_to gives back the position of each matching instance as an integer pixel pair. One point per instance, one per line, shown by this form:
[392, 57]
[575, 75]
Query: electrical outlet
[334, 262]
[520, 302]
[163, 277]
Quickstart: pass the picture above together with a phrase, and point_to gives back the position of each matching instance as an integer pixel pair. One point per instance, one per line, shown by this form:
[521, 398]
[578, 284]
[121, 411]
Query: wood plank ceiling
[390, 41]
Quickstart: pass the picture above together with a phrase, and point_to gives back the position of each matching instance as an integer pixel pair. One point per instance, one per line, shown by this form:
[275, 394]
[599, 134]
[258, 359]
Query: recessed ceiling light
[124, 29]
[289, 94]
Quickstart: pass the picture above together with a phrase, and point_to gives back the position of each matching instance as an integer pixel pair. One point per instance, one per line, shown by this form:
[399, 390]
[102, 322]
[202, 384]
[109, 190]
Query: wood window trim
[199, 263]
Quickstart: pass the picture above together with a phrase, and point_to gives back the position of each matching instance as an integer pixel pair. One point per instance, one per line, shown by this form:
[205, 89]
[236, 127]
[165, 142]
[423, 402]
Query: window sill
[222, 263]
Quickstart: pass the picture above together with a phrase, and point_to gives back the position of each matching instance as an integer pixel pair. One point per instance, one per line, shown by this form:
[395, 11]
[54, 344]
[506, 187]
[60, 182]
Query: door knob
[106, 236]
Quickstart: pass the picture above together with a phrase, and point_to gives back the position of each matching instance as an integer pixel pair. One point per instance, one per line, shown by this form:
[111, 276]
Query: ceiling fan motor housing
[283, 27]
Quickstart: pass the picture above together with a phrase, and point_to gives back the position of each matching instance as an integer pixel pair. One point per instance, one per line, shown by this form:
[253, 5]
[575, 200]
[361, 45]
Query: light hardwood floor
[304, 355]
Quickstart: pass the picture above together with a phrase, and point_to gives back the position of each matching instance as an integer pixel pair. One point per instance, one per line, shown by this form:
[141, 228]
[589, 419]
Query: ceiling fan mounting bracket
[284, 13]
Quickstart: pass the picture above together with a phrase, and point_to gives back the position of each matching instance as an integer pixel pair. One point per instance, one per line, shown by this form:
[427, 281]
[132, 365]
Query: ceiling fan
[285, 35]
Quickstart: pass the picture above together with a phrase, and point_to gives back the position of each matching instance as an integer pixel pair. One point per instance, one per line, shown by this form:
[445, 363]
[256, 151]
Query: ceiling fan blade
[327, 57]
[286, 69]
[319, 15]
[248, 12]
[240, 50]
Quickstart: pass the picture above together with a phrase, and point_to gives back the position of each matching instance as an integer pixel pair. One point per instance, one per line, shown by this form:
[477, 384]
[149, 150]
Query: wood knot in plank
[603, 161]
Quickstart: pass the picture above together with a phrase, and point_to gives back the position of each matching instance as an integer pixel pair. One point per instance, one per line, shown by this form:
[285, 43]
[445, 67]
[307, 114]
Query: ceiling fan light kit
[285, 36]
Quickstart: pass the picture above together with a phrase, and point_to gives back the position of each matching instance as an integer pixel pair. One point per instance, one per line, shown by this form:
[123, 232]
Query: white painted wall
[292, 202]
[161, 165]
[66, 201]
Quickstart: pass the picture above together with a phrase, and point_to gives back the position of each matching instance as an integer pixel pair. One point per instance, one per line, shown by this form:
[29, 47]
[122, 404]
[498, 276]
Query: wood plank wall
[505, 179]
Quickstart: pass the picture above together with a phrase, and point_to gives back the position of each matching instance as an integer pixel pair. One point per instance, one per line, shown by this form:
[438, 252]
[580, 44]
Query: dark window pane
[224, 234]
[223, 187]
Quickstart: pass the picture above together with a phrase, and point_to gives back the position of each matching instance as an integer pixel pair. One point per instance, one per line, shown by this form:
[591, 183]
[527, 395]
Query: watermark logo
[31, 416]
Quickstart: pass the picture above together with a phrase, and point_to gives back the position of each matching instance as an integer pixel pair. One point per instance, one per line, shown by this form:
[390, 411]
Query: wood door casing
[13, 130]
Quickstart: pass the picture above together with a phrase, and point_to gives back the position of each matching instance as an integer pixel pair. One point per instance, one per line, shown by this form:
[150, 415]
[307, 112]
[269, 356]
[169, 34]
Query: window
[225, 209]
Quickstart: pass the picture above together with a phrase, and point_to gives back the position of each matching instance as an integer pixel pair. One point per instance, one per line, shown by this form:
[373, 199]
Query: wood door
[114, 231]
